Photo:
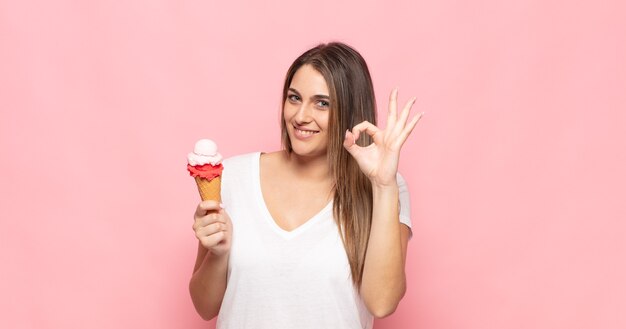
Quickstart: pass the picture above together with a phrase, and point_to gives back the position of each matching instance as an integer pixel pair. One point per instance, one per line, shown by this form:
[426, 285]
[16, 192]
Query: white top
[286, 279]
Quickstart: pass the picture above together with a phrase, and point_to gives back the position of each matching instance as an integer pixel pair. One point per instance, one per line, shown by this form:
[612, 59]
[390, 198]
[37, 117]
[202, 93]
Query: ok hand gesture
[379, 160]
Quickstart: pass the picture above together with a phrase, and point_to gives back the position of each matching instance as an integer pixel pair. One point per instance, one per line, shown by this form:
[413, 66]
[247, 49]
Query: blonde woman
[314, 235]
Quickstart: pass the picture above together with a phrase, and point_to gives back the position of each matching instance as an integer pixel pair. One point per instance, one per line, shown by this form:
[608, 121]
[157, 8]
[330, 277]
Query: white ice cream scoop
[205, 147]
[205, 151]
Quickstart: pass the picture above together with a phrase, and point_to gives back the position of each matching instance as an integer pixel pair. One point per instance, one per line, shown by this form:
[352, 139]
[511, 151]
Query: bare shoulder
[273, 163]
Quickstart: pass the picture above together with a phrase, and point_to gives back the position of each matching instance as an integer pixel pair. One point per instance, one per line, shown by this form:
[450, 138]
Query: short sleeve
[404, 201]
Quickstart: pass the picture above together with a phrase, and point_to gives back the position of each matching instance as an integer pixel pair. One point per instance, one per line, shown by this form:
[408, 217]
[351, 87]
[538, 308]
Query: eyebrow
[314, 96]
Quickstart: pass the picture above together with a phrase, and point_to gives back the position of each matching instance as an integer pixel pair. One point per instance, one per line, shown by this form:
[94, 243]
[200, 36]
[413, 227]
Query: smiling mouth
[305, 132]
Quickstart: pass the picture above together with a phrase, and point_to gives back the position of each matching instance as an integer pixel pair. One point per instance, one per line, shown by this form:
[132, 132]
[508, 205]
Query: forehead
[309, 81]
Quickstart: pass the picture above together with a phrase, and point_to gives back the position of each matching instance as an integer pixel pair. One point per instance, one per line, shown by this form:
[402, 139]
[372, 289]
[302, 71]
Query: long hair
[351, 101]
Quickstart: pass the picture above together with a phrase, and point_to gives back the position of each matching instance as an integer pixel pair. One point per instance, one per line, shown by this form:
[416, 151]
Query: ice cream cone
[205, 166]
[209, 189]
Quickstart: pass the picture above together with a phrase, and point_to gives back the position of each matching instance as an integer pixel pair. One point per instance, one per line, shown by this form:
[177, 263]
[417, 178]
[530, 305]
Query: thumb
[349, 142]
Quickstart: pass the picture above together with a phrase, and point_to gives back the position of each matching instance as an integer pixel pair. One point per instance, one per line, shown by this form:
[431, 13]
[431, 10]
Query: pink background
[516, 170]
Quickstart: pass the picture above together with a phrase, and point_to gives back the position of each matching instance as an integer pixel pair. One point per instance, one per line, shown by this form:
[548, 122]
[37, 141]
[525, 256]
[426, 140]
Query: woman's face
[306, 112]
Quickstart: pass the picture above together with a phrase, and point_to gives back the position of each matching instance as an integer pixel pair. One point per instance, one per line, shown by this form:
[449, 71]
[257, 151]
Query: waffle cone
[210, 189]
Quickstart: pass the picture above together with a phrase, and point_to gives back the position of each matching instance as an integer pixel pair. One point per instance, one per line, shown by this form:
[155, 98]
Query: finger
[349, 140]
[393, 104]
[212, 218]
[210, 229]
[205, 206]
[404, 115]
[349, 143]
[213, 239]
[409, 128]
[209, 219]
[366, 126]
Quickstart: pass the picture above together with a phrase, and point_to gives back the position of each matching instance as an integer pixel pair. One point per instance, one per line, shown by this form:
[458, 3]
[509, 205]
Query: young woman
[314, 235]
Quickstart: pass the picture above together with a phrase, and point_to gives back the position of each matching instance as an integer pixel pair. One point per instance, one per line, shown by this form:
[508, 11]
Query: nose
[304, 114]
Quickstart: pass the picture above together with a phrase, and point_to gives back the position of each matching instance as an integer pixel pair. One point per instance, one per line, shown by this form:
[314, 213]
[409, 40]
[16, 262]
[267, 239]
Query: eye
[323, 103]
[293, 97]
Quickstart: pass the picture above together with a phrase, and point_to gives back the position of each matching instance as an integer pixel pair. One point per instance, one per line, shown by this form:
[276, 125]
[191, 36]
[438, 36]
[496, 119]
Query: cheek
[324, 120]
[288, 111]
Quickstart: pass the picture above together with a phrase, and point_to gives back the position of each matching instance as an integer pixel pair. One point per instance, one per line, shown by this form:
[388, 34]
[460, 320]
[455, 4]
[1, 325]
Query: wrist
[385, 187]
[216, 259]
[218, 256]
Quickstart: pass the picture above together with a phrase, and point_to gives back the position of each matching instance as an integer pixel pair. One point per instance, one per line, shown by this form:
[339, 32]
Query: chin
[308, 148]
[305, 151]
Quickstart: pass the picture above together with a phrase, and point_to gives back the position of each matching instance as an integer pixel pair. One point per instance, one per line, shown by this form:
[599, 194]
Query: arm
[208, 281]
[384, 280]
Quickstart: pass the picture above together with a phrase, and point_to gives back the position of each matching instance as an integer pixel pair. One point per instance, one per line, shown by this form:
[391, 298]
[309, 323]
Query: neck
[309, 167]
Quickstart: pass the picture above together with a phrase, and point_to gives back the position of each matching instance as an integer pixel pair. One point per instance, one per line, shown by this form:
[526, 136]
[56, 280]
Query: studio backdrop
[516, 170]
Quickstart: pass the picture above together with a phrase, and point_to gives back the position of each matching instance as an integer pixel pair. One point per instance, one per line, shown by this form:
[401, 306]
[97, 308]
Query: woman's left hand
[379, 160]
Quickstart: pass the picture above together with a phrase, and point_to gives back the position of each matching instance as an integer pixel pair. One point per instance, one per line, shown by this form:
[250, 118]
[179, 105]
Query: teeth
[304, 132]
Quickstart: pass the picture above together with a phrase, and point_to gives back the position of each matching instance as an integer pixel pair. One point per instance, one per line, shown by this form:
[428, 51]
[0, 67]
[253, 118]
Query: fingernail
[347, 131]
[222, 206]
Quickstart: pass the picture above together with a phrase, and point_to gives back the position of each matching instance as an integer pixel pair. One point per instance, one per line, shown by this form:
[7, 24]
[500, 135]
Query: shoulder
[403, 188]
[401, 181]
[238, 166]
[272, 160]
[404, 203]
[246, 158]
[240, 160]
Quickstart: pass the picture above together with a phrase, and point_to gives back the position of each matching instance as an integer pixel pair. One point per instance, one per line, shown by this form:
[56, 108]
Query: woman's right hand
[213, 227]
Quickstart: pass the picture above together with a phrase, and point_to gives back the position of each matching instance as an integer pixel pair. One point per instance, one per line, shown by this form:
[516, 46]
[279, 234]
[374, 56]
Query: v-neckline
[266, 212]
